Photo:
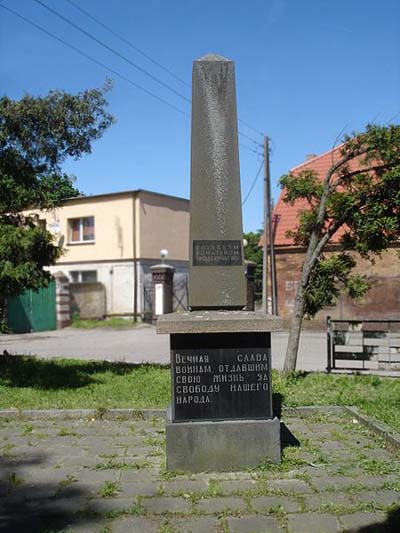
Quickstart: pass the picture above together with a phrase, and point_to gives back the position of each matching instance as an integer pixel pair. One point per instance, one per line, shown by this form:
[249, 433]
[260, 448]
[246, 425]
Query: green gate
[33, 311]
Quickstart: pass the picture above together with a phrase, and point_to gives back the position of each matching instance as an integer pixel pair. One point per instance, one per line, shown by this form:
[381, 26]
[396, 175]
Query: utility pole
[266, 232]
[268, 236]
[274, 300]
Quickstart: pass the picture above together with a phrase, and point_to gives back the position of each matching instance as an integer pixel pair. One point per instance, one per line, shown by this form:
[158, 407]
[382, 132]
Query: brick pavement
[107, 475]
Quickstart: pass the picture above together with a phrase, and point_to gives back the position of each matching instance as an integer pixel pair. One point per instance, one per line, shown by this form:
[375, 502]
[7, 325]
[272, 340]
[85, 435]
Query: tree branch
[353, 173]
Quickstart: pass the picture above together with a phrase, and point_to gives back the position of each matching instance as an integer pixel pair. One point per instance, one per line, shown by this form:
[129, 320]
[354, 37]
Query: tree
[360, 197]
[37, 134]
[253, 252]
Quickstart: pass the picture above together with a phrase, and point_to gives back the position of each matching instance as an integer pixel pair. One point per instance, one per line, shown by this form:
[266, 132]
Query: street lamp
[163, 255]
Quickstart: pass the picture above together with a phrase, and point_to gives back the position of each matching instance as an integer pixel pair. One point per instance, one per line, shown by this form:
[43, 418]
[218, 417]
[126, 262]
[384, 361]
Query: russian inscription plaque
[227, 376]
[217, 253]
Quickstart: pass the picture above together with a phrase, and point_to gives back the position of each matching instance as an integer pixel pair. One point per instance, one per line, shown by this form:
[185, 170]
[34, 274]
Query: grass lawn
[114, 322]
[30, 383]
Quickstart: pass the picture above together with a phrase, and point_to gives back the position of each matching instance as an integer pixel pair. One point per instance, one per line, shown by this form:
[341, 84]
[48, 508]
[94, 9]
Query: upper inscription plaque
[217, 253]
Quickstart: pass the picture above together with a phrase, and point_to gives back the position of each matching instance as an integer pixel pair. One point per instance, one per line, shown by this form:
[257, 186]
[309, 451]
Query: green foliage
[328, 278]
[109, 489]
[254, 252]
[304, 185]
[360, 196]
[37, 134]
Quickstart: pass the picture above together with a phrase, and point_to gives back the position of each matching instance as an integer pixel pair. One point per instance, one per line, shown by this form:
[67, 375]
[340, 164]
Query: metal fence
[365, 346]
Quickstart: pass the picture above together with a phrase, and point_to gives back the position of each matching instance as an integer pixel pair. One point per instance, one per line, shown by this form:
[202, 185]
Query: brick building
[382, 301]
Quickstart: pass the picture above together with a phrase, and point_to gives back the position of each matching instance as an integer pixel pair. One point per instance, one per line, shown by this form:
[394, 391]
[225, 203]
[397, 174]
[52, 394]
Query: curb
[105, 414]
[379, 428]
[135, 414]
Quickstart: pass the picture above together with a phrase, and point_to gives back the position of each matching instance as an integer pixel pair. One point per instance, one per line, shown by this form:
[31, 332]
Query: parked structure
[380, 302]
[115, 238]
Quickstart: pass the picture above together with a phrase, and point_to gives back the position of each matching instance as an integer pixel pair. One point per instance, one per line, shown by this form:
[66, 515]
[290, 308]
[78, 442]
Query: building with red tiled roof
[381, 301]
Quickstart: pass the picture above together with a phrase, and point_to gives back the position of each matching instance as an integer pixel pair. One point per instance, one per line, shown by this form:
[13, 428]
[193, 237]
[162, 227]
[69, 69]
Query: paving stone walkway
[93, 474]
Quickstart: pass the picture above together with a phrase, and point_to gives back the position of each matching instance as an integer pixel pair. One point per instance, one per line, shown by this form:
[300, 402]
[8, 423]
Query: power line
[250, 149]
[89, 15]
[87, 56]
[115, 52]
[249, 138]
[116, 73]
[245, 123]
[121, 38]
[254, 183]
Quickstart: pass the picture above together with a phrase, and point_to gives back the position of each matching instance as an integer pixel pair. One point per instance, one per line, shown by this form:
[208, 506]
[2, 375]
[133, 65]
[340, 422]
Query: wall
[117, 279]
[164, 223]
[88, 300]
[381, 301]
[113, 227]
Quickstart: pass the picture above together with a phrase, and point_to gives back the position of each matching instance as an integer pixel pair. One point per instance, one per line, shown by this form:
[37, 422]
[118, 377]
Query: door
[33, 311]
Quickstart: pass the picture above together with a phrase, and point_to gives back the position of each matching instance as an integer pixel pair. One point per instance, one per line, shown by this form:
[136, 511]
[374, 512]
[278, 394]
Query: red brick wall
[381, 301]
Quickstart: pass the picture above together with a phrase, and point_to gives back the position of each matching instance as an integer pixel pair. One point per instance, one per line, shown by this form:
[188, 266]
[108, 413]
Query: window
[81, 229]
[83, 276]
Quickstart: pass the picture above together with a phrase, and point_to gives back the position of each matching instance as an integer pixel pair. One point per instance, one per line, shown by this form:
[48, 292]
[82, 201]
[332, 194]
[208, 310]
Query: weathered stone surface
[29, 507]
[254, 524]
[323, 483]
[218, 505]
[320, 502]
[289, 485]
[266, 503]
[138, 489]
[106, 505]
[225, 445]
[195, 525]
[381, 498]
[184, 486]
[218, 322]
[217, 278]
[305, 523]
[163, 505]
[135, 524]
[354, 522]
[238, 485]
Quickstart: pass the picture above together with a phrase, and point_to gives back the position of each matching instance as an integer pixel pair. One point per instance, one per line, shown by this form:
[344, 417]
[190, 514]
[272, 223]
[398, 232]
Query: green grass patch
[114, 322]
[32, 383]
[109, 489]
[375, 396]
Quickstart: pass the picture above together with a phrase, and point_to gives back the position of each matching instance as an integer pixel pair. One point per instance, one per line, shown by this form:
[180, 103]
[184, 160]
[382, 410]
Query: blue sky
[305, 71]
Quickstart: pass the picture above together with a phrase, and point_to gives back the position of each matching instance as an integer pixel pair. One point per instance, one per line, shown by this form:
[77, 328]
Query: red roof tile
[286, 215]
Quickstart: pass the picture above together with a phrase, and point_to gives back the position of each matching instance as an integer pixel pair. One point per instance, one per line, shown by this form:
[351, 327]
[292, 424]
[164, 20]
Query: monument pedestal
[221, 446]
[221, 415]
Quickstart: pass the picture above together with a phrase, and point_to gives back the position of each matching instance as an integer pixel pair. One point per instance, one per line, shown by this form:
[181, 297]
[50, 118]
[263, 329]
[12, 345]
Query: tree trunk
[294, 333]
[3, 313]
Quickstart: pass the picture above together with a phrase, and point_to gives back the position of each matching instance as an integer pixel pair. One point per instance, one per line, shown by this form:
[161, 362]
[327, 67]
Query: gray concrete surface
[142, 344]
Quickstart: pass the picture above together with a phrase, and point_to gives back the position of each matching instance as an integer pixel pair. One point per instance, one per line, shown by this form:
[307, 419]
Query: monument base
[222, 446]
[221, 416]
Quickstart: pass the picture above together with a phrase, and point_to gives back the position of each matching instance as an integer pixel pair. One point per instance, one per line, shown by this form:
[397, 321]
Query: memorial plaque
[217, 253]
[221, 376]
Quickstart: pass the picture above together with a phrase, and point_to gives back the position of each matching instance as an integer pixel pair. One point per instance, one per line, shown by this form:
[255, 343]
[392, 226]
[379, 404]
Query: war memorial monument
[221, 417]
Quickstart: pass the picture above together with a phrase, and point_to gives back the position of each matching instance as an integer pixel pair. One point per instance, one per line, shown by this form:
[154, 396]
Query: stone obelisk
[217, 278]
[221, 415]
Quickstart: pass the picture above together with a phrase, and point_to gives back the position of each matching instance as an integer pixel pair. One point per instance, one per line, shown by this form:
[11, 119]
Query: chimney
[310, 156]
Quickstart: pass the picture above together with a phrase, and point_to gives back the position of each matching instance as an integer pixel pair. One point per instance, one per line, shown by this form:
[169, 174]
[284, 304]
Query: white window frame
[79, 276]
[80, 241]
